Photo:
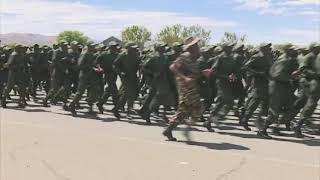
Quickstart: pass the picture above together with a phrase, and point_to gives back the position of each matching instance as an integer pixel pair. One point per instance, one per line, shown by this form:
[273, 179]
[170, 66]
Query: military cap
[74, 43]
[63, 43]
[101, 45]
[238, 46]
[177, 44]
[218, 49]
[7, 48]
[212, 47]
[287, 46]
[113, 43]
[205, 49]
[265, 45]
[18, 46]
[159, 45]
[314, 46]
[131, 45]
[36, 45]
[92, 45]
[227, 45]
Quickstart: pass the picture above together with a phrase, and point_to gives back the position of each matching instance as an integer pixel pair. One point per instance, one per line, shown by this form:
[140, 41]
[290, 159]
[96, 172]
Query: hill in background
[27, 39]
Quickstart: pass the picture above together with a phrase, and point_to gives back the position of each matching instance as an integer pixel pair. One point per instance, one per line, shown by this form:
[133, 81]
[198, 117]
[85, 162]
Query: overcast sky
[295, 21]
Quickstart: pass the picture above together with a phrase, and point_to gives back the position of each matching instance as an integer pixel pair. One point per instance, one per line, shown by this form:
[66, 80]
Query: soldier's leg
[309, 107]
[251, 105]
[22, 94]
[9, 86]
[182, 113]
[80, 91]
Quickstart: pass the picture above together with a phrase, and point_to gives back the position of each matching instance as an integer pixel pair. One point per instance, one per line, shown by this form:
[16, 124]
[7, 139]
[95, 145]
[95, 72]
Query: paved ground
[48, 144]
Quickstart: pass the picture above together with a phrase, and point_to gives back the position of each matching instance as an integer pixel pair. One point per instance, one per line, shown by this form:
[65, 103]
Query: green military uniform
[127, 65]
[224, 67]
[106, 60]
[258, 67]
[35, 61]
[59, 67]
[280, 88]
[311, 70]
[303, 89]
[205, 62]
[238, 89]
[172, 56]
[160, 93]
[87, 78]
[16, 76]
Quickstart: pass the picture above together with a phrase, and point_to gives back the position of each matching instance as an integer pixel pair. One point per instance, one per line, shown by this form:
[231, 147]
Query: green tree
[233, 38]
[178, 32]
[137, 34]
[70, 36]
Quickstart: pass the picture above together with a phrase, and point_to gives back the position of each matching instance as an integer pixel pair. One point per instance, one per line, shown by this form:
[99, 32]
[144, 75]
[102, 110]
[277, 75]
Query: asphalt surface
[40, 143]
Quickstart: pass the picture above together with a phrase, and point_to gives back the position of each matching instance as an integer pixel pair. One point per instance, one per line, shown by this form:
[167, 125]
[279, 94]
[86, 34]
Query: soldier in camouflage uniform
[187, 73]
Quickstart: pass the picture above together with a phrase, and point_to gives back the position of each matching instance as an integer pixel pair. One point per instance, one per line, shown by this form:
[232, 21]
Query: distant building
[112, 38]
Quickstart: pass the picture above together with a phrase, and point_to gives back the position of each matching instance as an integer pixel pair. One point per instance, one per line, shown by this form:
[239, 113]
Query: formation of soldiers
[277, 83]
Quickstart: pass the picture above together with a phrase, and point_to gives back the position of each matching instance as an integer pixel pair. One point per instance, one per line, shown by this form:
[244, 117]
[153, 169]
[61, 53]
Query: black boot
[207, 124]
[72, 109]
[168, 131]
[245, 125]
[100, 107]
[3, 102]
[297, 129]
[116, 113]
[45, 103]
[263, 133]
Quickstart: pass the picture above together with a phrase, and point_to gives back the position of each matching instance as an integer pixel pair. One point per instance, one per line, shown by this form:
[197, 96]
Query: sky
[277, 21]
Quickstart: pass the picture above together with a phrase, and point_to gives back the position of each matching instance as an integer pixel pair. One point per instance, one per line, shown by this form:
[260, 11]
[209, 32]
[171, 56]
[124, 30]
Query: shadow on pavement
[217, 146]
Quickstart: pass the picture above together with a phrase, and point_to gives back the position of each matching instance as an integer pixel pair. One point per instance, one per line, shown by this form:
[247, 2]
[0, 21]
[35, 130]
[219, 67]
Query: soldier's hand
[295, 74]
[207, 73]
[232, 77]
[188, 79]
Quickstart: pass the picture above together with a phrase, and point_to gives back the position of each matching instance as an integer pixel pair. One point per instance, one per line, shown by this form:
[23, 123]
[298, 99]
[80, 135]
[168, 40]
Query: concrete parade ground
[40, 143]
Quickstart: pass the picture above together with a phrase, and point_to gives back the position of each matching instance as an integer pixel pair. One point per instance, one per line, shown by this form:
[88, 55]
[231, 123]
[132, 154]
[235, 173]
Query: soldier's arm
[11, 64]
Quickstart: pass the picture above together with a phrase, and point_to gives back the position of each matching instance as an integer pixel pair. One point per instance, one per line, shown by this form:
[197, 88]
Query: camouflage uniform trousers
[190, 104]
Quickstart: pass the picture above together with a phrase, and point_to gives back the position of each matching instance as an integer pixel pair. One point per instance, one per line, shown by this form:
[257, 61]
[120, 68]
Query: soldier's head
[132, 48]
[36, 48]
[315, 48]
[227, 47]
[191, 45]
[205, 52]
[113, 46]
[160, 47]
[18, 48]
[265, 47]
[64, 46]
[91, 47]
[74, 45]
[239, 48]
[177, 47]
